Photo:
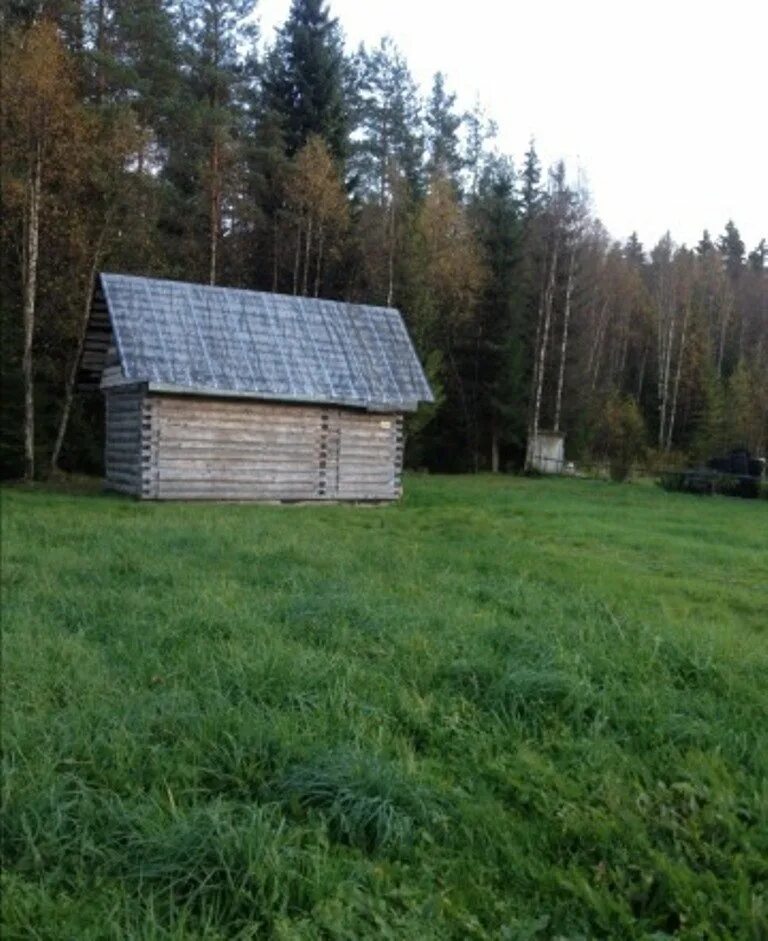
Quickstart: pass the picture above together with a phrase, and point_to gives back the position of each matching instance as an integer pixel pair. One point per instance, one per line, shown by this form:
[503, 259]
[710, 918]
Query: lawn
[505, 708]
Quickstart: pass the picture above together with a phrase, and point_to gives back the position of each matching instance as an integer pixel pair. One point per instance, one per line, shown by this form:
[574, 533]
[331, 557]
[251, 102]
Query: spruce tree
[706, 246]
[502, 349]
[304, 81]
[531, 182]
[480, 130]
[634, 252]
[731, 248]
[443, 124]
[757, 258]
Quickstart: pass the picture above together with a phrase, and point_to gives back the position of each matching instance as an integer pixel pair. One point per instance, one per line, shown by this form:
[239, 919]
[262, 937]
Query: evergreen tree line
[154, 137]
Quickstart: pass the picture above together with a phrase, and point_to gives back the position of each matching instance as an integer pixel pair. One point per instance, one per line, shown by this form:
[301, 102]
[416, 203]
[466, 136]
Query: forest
[167, 138]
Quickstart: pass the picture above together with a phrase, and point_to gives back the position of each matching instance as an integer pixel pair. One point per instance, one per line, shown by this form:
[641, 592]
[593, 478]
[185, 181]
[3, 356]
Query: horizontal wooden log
[366, 495]
[223, 429]
[123, 406]
[367, 449]
[239, 408]
[255, 476]
[129, 414]
[352, 471]
[125, 434]
[264, 458]
[119, 394]
[122, 458]
[125, 438]
[220, 427]
[255, 418]
[118, 420]
[122, 474]
[122, 423]
[227, 490]
[285, 444]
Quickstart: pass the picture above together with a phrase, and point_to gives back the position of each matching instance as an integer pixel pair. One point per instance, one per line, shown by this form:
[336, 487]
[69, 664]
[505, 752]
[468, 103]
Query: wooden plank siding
[182, 447]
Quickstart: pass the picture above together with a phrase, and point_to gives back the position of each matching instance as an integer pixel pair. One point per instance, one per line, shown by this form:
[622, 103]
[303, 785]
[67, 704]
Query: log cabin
[216, 393]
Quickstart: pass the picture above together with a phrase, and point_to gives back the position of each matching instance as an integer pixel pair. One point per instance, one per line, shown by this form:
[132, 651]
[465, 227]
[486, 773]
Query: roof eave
[369, 406]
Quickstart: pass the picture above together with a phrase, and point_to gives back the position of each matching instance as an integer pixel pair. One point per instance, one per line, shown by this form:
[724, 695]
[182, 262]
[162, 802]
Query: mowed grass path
[505, 708]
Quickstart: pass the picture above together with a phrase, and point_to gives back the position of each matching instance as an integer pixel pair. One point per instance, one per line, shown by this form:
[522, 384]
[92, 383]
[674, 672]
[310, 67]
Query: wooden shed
[218, 393]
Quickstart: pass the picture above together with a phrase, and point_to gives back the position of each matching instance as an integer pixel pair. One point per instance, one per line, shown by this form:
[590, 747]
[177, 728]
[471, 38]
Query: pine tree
[388, 122]
[204, 145]
[304, 81]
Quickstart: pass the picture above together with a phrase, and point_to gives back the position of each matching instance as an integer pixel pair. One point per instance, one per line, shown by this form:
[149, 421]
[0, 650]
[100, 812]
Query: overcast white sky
[663, 103]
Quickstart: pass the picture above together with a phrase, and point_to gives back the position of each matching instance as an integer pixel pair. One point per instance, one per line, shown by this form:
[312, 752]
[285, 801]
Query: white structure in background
[546, 452]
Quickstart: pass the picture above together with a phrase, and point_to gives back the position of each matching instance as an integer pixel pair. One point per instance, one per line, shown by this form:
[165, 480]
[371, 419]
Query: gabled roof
[224, 341]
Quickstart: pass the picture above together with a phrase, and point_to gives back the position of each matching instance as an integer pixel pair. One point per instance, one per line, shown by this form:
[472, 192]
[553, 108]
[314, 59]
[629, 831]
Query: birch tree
[683, 272]
[557, 215]
[664, 302]
[318, 202]
[42, 124]
[102, 199]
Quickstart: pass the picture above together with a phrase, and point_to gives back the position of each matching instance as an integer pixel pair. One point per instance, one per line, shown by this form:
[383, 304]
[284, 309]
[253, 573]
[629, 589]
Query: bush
[621, 435]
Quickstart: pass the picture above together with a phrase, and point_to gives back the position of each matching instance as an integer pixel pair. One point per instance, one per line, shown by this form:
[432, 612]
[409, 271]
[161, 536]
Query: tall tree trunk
[539, 326]
[319, 264]
[596, 350]
[666, 368]
[624, 353]
[641, 376]
[542, 354]
[391, 254]
[297, 259]
[31, 250]
[215, 210]
[307, 256]
[274, 256]
[69, 389]
[494, 449]
[723, 334]
[564, 341]
[471, 436]
[101, 43]
[678, 374]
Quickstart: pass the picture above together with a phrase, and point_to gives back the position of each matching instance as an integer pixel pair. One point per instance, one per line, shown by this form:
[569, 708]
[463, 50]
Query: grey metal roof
[223, 341]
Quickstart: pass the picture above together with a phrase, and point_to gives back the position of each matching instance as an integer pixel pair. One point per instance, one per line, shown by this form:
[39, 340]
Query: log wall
[192, 448]
[124, 433]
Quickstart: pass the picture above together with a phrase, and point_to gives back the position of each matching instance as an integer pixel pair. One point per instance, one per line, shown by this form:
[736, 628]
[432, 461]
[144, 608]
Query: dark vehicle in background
[739, 474]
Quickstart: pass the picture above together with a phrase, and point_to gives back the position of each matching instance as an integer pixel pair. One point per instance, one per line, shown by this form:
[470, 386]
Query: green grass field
[505, 708]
